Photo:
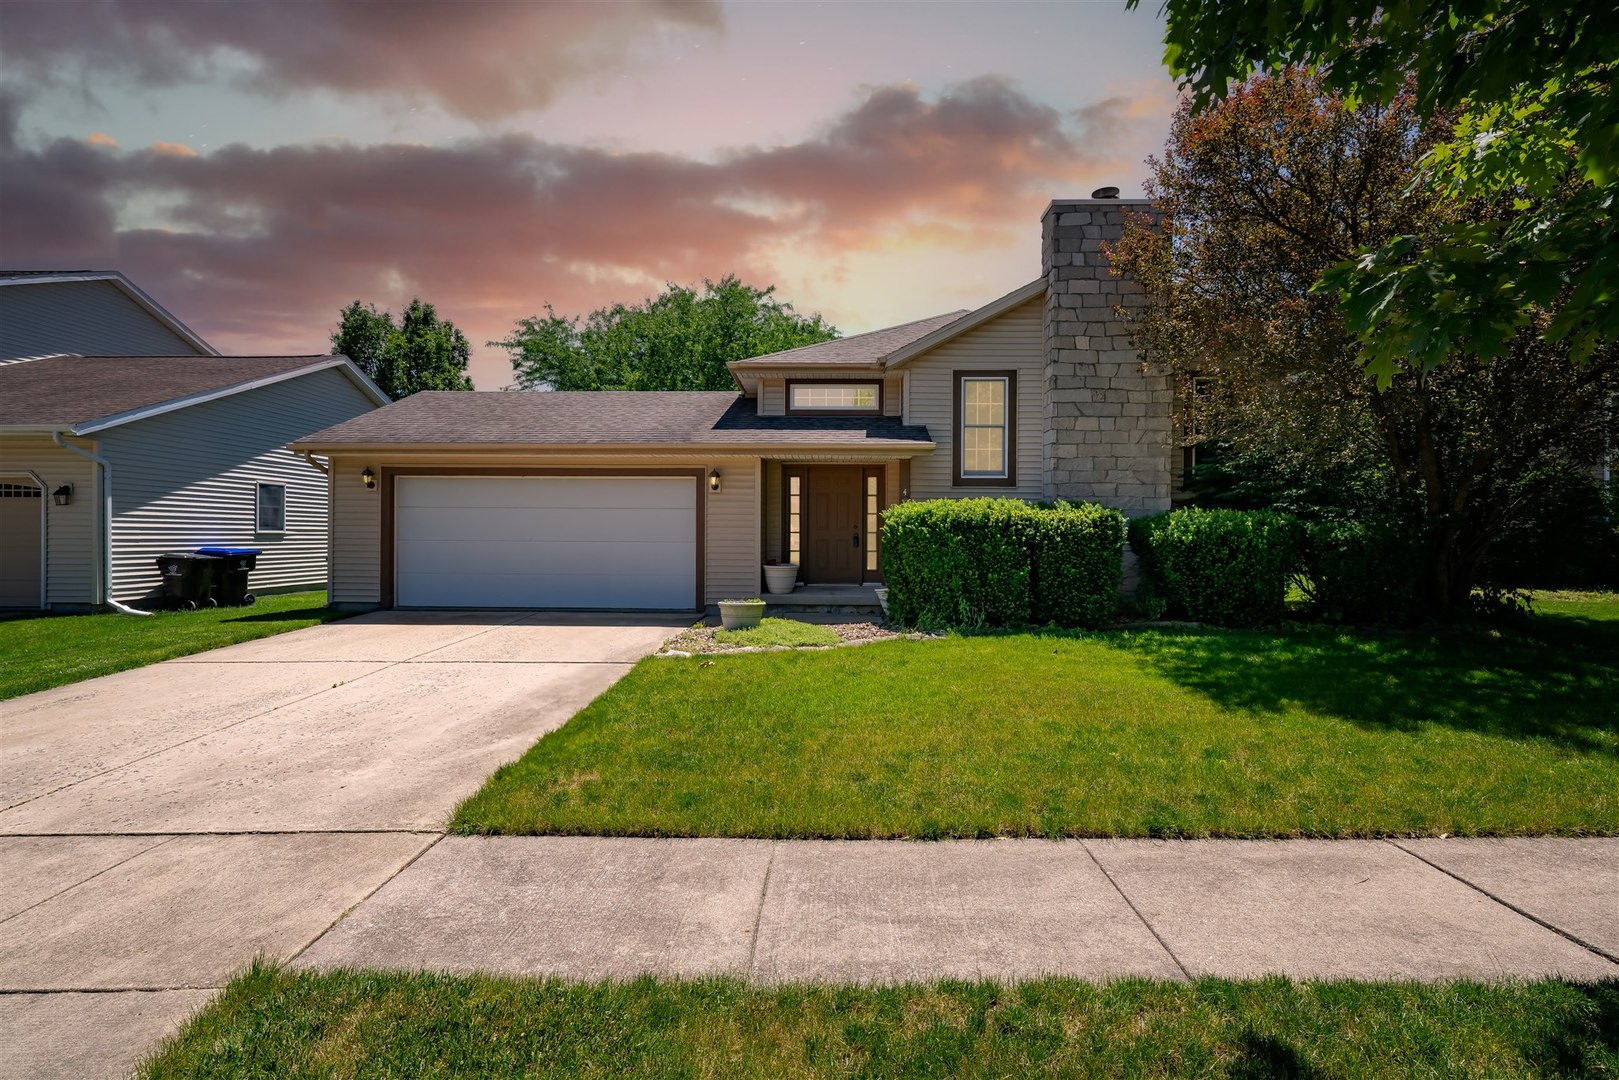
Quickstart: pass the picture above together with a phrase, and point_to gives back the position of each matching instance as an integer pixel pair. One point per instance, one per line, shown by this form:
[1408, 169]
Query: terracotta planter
[741, 614]
[781, 578]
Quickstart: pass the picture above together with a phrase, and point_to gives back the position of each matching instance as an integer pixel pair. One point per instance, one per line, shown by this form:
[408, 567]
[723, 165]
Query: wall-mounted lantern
[368, 478]
[63, 495]
[713, 479]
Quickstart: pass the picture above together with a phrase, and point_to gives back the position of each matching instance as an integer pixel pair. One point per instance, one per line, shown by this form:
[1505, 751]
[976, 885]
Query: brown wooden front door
[834, 547]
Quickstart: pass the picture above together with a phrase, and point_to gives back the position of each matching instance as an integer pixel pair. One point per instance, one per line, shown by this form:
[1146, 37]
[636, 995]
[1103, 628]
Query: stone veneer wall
[1107, 421]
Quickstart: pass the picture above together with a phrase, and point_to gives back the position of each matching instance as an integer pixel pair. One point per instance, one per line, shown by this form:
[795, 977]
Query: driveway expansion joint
[1531, 916]
[759, 912]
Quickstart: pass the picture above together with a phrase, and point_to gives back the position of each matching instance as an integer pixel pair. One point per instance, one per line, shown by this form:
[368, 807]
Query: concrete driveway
[160, 827]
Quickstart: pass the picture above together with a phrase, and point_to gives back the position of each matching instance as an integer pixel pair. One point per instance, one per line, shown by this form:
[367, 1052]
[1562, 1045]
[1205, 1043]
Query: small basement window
[833, 397]
[272, 508]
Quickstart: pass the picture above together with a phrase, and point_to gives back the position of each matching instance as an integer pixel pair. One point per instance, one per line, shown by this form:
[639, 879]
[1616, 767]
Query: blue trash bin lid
[223, 551]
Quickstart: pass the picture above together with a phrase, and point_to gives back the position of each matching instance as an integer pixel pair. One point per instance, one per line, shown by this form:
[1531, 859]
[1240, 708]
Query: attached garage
[628, 542]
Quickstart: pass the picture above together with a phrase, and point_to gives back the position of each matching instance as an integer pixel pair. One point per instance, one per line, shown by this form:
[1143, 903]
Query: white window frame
[1005, 427]
[258, 507]
[876, 389]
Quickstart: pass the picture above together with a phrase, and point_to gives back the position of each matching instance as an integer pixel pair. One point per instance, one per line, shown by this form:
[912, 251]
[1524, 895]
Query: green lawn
[778, 632]
[1159, 732]
[38, 652]
[393, 1025]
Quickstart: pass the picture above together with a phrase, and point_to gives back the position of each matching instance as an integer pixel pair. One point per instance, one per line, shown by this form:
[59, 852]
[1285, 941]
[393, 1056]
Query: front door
[834, 551]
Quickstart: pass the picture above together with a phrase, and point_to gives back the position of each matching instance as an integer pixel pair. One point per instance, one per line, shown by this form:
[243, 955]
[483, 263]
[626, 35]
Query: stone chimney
[1107, 422]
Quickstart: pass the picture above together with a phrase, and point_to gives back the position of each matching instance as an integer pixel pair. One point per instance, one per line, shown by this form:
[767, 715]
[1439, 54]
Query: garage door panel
[575, 542]
[432, 556]
[596, 590]
[526, 525]
[552, 492]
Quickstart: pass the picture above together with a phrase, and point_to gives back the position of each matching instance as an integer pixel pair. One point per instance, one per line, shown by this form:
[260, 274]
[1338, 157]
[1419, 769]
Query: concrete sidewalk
[878, 912]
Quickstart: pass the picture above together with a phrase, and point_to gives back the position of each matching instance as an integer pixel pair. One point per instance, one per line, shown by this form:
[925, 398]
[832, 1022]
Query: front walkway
[874, 911]
[161, 826]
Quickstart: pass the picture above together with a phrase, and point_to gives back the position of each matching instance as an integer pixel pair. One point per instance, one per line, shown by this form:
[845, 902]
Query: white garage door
[545, 542]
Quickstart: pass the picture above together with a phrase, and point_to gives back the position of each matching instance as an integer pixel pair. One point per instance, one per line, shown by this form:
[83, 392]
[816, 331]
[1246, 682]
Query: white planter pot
[781, 579]
[882, 598]
[741, 614]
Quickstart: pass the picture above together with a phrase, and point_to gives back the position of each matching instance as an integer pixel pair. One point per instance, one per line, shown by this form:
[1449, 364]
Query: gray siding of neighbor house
[94, 318]
[70, 531]
[1013, 341]
[189, 478]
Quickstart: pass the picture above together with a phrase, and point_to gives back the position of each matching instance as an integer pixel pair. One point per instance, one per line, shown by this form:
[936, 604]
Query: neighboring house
[675, 500]
[107, 462]
[90, 312]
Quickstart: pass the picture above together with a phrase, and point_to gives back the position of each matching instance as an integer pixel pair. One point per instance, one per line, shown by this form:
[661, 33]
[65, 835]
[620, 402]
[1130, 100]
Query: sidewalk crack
[1509, 905]
[1131, 904]
[759, 913]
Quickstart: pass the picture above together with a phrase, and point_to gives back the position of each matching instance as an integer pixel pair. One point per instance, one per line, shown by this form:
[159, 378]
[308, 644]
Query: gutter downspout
[106, 524]
[313, 464]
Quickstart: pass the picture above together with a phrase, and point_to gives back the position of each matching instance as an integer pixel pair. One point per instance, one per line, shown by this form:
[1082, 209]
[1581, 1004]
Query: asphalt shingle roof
[868, 348]
[603, 418]
[73, 390]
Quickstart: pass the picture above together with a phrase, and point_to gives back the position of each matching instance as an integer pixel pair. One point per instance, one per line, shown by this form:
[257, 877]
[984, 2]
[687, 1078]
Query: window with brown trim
[984, 447]
[814, 396]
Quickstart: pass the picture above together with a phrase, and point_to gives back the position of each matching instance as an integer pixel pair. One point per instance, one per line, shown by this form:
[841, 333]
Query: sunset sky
[255, 166]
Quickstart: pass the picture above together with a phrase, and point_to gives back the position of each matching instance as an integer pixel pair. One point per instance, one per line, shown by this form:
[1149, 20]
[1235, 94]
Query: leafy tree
[419, 353]
[1533, 140]
[1261, 195]
[677, 340]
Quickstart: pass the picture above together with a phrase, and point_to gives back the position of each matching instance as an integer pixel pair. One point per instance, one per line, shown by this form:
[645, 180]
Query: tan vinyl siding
[733, 562]
[356, 534]
[732, 549]
[894, 395]
[772, 397]
[189, 478]
[772, 510]
[94, 318]
[1013, 341]
[71, 548]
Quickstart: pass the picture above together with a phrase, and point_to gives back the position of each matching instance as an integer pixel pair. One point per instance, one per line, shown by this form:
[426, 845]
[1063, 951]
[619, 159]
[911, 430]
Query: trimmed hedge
[1001, 562]
[1364, 571]
[1227, 567]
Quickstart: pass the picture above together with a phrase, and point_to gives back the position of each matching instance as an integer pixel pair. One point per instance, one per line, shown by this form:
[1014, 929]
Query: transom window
[272, 508]
[986, 427]
[832, 397]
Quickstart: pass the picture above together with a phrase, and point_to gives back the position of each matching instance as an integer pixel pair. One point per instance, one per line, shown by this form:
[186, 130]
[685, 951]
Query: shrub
[1562, 532]
[1364, 571]
[1227, 567]
[1000, 562]
[1076, 564]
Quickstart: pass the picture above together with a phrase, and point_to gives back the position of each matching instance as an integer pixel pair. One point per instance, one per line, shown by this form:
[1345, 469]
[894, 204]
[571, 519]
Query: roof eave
[894, 447]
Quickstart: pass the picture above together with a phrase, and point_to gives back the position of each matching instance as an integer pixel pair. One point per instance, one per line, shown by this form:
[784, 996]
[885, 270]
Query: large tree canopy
[1262, 194]
[678, 340]
[1529, 88]
[418, 353]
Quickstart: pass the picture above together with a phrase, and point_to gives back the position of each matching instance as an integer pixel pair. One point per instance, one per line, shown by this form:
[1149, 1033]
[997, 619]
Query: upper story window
[851, 397]
[272, 508]
[986, 428]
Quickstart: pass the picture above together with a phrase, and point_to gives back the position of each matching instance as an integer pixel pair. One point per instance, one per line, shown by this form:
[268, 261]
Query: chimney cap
[1105, 193]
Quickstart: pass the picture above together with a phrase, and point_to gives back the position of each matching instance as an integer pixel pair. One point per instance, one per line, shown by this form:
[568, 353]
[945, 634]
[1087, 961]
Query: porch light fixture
[713, 479]
[368, 478]
[63, 495]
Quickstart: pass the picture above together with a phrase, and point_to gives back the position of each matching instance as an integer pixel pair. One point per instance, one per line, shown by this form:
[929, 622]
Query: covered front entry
[832, 522]
[22, 530]
[602, 541]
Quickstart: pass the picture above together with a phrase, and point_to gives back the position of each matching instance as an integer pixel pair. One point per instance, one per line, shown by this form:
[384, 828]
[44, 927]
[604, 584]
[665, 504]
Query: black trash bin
[188, 579]
[230, 573]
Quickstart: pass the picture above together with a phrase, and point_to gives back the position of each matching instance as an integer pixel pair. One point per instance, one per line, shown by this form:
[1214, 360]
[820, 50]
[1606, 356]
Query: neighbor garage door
[544, 542]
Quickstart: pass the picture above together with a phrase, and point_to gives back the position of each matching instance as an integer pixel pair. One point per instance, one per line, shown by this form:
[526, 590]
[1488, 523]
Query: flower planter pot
[741, 614]
[882, 598]
[781, 579]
